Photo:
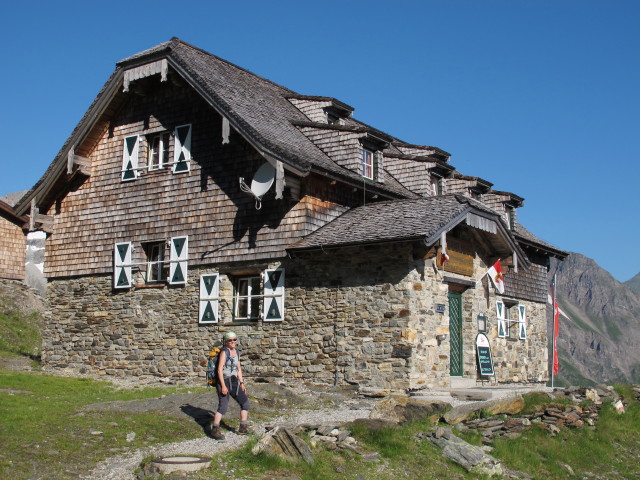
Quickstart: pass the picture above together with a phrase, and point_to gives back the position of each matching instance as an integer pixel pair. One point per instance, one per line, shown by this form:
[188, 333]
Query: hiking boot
[243, 429]
[216, 434]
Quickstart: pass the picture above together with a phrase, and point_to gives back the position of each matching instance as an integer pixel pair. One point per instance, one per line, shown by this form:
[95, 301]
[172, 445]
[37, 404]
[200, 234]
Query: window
[158, 150]
[155, 266]
[367, 163]
[248, 298]
[130, 158]
[436, 185]
[156, 263]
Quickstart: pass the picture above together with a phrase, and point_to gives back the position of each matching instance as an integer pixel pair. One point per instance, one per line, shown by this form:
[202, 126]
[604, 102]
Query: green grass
[44, 432]
[401, 456]
[19, 333]
[610, 450]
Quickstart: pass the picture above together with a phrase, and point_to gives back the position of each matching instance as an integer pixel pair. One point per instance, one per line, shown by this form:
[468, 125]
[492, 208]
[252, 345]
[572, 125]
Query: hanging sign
[485, 361]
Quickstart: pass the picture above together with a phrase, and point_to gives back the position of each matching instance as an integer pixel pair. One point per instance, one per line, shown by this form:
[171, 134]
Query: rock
[389, 409]
[567, 468]
[592, 394]
[508, 406]
[470, 457]
[131, 436]
[283, 443]
[418, 410]
[619, 406]
[401, 409]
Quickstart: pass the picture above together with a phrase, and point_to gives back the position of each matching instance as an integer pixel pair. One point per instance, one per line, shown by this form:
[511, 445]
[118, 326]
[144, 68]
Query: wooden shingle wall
[412, 174]
[12, 249]
[459, 185]
[528, 284]
[313, 109]
[342, 147]
[206, 203]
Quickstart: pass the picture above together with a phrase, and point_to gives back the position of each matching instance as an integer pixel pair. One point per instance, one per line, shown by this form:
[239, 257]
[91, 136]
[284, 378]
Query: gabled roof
[256, 107]
[400, 220]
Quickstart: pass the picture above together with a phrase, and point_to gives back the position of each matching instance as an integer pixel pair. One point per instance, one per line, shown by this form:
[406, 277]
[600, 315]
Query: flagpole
[553, 333]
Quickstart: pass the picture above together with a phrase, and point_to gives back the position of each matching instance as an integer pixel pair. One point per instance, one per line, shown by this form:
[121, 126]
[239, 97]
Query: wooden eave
[537, 247]
[11, 215]
[517, 200]
[46, 188]
[436, 151]
[335, 103]
[502, 233]
[443, 169]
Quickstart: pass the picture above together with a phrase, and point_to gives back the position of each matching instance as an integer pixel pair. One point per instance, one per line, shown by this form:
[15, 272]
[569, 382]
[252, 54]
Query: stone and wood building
[195, 197]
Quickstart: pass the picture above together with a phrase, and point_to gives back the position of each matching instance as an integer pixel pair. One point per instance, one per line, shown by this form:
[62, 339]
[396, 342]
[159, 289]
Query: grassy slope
[19, 328]
[45, 434]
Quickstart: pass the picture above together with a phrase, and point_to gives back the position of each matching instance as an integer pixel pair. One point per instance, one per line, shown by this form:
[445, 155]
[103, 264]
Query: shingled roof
[399, 220]
[525, 237]
[257, 108]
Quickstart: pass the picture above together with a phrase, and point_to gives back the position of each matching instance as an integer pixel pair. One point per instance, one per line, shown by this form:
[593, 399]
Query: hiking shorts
[235, 392]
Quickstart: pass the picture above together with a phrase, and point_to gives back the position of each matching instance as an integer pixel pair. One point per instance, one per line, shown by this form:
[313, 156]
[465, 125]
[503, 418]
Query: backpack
[212, 365]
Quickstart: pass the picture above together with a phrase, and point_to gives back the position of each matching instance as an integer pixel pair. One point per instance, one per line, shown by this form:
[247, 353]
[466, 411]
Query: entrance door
[455, 334]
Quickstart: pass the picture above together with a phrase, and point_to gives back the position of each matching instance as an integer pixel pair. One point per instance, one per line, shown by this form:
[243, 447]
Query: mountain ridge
[600, 328]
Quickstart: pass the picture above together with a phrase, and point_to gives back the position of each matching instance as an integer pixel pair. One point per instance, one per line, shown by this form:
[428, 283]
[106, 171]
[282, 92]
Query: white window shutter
[178, 260]
[500, 313]
[122, 265]
[130, 158]
[182, 150]
[522, 321]
[209, 298]
[273, 305]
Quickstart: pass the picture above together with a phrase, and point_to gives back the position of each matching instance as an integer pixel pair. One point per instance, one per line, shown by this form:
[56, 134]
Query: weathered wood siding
[206, 203]
[412, 174]
[12, 249]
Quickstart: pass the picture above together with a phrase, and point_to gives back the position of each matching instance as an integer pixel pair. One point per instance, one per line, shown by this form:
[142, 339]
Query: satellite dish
[261, 183]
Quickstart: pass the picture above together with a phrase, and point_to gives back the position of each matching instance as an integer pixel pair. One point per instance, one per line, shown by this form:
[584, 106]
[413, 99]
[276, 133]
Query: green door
[455, 334]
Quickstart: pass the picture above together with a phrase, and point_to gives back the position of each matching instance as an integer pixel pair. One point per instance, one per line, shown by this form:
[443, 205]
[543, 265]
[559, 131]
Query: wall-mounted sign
[485, 361]
[440, 307]
[482, 323]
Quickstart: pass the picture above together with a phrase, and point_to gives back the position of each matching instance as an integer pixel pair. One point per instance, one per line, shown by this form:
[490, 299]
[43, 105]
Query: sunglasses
[232, 340]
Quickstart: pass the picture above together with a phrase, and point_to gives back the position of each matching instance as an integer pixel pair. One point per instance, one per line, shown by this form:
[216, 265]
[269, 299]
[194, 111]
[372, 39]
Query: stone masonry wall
[360, 315]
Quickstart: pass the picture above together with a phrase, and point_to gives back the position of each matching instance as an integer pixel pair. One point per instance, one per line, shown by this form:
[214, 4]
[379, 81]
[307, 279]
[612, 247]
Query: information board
[485, 361]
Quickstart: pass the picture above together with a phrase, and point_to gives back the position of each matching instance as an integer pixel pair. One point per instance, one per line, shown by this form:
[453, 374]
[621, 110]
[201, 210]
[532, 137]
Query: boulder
[283, 443]
[401, 409]
[473, 459]
[500, 406]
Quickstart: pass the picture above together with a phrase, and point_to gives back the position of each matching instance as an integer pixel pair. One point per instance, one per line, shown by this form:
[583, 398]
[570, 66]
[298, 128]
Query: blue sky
[541, 98]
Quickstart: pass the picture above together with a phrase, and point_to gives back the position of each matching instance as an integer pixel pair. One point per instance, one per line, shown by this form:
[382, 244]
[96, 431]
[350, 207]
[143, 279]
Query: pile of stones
[288, 443]
[551, 418]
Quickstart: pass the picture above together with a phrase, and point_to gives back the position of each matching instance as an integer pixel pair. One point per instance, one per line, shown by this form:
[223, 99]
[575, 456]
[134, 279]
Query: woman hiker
[230, 384]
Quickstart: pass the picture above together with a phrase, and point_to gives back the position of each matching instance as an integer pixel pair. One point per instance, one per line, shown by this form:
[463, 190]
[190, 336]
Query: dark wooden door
[455, 334]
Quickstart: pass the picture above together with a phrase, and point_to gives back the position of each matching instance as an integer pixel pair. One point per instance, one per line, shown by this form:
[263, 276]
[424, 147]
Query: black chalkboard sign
[485, 361]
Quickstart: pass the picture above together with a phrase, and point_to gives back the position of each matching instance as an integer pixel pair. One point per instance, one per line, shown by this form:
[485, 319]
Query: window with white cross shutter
[182, 150]
[522, 322]
[273, 304]
[209, 298]
[130, 158]
[122, 265]
[500, 313]
[178, 260]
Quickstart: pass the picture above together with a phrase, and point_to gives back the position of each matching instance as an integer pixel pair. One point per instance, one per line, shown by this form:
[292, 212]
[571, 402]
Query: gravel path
[121, 467]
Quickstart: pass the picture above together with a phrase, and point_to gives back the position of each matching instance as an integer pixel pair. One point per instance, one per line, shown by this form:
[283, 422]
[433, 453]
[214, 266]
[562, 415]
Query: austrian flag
[495, 274]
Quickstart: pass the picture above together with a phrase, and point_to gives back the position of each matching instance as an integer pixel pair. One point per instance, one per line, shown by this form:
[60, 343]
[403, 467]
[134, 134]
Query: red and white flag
[443, 249]
[495, 274]
[556, 326]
